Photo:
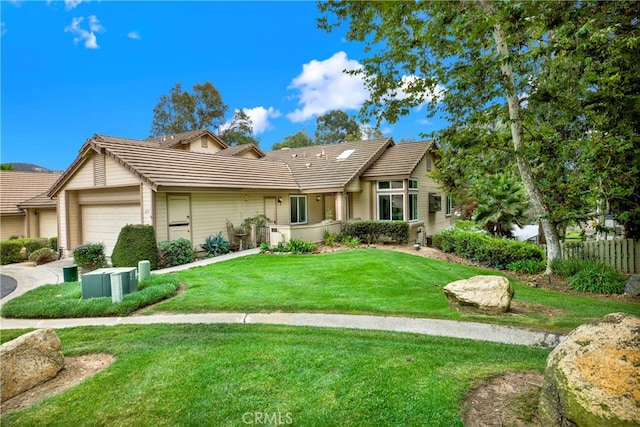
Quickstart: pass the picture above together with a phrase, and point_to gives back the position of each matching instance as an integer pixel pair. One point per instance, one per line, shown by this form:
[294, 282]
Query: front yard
[227, 375]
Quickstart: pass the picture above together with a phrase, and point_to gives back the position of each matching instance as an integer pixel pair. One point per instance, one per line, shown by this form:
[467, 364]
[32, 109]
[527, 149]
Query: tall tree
[239, 130]
[298, 139]
[336, 126]
[497, 61]
[181, 111]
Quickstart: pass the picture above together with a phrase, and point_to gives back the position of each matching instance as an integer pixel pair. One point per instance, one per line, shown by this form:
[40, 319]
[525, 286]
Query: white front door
[179, 210]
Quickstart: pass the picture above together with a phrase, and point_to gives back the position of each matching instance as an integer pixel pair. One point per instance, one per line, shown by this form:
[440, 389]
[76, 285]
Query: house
[25, 210]
[188, 185]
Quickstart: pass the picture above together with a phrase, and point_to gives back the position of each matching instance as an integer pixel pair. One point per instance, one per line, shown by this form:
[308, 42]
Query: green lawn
[65, 300]
[200, 375]
[370, 281]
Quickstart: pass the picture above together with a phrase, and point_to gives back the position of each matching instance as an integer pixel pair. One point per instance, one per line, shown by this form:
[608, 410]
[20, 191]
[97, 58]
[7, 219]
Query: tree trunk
[539, 210]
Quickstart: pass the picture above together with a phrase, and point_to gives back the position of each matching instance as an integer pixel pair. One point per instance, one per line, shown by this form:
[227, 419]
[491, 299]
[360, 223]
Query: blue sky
[70, 69]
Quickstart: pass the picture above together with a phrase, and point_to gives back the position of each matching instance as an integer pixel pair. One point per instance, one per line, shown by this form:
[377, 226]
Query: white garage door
[48, 226]
[103, 223]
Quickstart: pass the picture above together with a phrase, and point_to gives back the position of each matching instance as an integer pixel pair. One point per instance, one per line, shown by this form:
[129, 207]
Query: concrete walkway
[29, 277]
[436, 327]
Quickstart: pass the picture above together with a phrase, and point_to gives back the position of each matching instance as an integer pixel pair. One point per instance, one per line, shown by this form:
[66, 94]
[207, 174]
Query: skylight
[345, 154]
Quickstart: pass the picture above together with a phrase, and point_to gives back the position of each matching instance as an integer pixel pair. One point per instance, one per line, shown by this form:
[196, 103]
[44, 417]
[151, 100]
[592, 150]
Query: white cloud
[72, 4]
[82, 35]
[133, 35]
[412, 85]
[260, 117]
[323, 86]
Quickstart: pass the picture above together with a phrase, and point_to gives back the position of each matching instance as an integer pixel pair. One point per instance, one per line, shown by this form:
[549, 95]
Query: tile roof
[40, 201]
[167, 167]
[169, 141]
[238, 150]
[399, 160]
[318, 167]
[17, 187]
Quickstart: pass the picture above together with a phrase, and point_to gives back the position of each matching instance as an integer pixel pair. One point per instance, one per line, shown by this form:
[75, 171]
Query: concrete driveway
[28, 276]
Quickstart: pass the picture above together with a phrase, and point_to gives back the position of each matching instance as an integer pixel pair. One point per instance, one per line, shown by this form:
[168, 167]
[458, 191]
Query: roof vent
[345, 154]
[293, 156]
[307, 165]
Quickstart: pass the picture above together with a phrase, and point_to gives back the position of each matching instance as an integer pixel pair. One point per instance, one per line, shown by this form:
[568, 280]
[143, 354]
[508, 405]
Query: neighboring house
[25, 209]
[188, 185]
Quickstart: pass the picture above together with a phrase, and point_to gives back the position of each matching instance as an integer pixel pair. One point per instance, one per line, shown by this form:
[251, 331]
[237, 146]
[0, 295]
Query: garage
[103, 223]
[47, 223]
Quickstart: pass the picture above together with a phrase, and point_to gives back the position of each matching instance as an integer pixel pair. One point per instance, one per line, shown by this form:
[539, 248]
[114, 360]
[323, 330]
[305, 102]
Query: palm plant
[502, 202]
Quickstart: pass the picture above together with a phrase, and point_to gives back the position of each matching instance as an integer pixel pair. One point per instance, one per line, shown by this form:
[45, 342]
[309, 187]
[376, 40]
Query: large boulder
[29, 360]
[632, 286]
[491, 294]
[592, 378]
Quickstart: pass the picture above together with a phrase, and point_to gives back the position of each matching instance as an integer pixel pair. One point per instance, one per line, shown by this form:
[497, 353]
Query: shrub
[350, 242]
[597, 278]
[175, 252]
[331, 239]
[527, 266]
[43, 256]
[53, 244]
[216, 245]
[567, 267]
[10, 251]
[295, 246]
[135, 243]
[90, 256]
[301, 247]
[378, 231]
[479, 247]
[33, 244]
[265, 247]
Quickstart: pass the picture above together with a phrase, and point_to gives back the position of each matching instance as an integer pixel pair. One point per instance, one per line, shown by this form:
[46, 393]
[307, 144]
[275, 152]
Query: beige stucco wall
[362, 202]
[116, 174]
[196, 145]
[41, 223]
[433, 222]
[12, 225]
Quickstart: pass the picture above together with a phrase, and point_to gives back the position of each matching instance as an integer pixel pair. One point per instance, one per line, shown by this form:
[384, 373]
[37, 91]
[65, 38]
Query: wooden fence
[623, 255]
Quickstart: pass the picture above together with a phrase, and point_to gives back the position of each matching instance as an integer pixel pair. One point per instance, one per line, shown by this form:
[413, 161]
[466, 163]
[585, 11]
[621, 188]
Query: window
[413, 207]
[390, 185]
[413, 184]
[449, 206]
[390, 207]
[204, 143]
[298, 209]
[435, 203]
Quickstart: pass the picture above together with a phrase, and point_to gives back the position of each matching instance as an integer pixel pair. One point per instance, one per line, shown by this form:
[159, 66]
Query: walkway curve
[436, 327]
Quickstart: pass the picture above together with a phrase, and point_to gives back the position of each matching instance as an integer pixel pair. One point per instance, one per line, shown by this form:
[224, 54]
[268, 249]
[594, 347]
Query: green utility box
[97, 283]
[70, 273]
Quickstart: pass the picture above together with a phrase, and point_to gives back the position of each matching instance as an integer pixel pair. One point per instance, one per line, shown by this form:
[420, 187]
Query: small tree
[502, 202]
[336, 126]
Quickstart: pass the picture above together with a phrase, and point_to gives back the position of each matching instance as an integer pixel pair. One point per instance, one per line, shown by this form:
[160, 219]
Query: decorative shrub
[597, 278]
[496, 252]
[294, 246]
[350, 242]
[265, 247]
[10, 251]
[53, 244]
[43, 256]
[90, 256]
[378, 231]
[568, 267]
[527, 266]
[216, 245]
[135, 243]
[33, 244]
[331, 239]
[174, 252]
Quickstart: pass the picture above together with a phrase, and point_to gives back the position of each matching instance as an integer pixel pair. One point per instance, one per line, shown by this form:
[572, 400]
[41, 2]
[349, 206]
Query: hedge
[135, 243]
[377, 231]
[174, 252]
[90, 256]
[33, 244]
[43, 256]
[496, 252]
[11, 251]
